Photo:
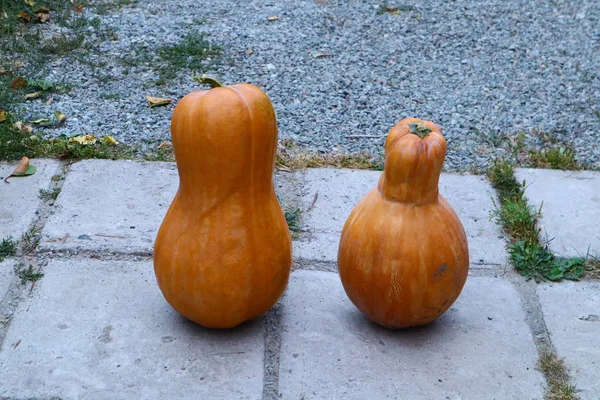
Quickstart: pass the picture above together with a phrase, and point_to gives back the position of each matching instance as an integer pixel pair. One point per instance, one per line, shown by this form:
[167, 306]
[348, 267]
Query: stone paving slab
[480, 349]
[20, 199]
[572, 314]
[570, 211]
[7, 272]
[339, 190]
[111, 205]
[102, 330]
[117, 206]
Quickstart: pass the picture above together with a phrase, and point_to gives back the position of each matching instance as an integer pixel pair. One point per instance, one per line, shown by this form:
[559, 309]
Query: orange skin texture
[223, 253]
[403, 257]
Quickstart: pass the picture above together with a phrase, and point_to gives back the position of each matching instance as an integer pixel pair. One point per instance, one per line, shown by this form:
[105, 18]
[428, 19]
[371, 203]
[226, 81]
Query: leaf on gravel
[164, 145]
[18, 83]
[4, 71]
[41, 121]
[21, 127]
[110, 140]
[31, 96]
[49, 101]
[24, 16]
[60, 117]
[273, 18]
[79, 7]
[23, 169]
[2, 116]
[83, 139]
[322, 54]
[249, 51]
[42, 17]
[42, 9]
[157, 101]
[30, 3]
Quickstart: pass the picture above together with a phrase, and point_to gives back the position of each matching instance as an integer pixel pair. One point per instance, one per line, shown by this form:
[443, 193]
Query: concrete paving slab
[338, 191]
[111, 205]
[572, 314]
[118, 206]
[481, 348]
[7, 273]
[571, 208]
[20, 198]
[102, 330]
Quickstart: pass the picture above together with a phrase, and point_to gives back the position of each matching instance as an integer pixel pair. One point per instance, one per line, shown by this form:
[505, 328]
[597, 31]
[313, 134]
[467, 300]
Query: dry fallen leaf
[21, 127]
[322, 54]
[49, 101]
[60, 117]
[41, 121]
[157, 101]
[249, 51]
[110, 140]
[42, 9]
[23, 169]
[3, 71]
[79, 7]
[24, 16]
[2, 116]
[83, 139]
[42, 17]
[164, 145]
[273, 18]
[30, 2]
[18, 83]
[31, 96]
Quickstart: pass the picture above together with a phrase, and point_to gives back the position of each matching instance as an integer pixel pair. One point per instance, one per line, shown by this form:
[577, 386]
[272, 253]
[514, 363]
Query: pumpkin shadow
[194, 331]
[416, 336]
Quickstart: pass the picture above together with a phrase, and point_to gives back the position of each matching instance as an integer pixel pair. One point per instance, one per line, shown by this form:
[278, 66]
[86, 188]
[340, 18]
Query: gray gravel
[478, 68]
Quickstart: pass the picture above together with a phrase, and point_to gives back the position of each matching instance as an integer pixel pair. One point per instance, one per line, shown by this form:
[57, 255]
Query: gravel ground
[478, 68]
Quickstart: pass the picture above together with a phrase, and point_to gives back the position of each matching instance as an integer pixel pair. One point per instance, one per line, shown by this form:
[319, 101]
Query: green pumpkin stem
[208, 80]
[419, 129]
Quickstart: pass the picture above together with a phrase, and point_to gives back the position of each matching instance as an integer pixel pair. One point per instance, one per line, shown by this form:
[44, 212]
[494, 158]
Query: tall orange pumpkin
[223, 252]
[403, 256]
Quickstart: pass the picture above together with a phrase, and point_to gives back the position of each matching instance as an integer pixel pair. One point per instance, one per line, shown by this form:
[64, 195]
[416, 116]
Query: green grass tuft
[529, 257]
[7, 248]
[29, 275]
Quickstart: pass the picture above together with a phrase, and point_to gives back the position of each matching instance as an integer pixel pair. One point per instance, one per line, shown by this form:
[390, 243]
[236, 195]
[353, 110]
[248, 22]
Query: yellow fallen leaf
[60, 117]
[24, 16]
[32, 96]
[42, 17]
[21, 127]
[84, 139]
[164, 145]
[30, 2]
[23, 169]
[110, 140]
[2, 116]
[273, 18]
[157, 101]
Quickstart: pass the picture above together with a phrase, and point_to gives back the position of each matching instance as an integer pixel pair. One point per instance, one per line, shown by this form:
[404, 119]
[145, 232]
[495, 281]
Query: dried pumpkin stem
[208, 80]
[419, 129]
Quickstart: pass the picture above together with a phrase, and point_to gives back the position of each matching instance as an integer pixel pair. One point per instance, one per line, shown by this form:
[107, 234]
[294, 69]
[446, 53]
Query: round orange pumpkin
[403, 256]
[223, 252]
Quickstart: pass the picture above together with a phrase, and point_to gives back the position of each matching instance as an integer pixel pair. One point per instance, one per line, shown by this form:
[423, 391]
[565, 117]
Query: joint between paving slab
[27, 254]
[273, 326]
